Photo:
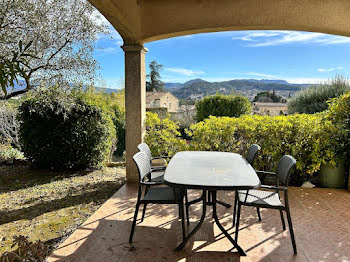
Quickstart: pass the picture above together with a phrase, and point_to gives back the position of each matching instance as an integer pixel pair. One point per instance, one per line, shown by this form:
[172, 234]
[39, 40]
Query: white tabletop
[210, 170]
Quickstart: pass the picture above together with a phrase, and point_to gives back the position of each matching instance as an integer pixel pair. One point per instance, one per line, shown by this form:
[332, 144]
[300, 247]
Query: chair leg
[187, 208]
[143, 212]
[258, 211]
[134, 222]
[282, 219]
[182, 214]
[290, 225]
[235, 209]
[237, 223]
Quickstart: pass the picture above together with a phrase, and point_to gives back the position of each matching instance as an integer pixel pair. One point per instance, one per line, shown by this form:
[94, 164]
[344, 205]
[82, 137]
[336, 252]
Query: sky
[297, 57]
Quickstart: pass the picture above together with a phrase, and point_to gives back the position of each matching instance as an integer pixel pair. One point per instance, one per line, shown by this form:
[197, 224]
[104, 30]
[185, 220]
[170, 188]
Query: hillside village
[179, 97]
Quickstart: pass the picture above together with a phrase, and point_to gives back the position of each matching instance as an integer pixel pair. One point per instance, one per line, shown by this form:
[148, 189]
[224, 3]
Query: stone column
[135, 104]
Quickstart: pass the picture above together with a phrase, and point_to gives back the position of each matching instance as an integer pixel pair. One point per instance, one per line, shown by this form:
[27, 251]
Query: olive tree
[61, 35]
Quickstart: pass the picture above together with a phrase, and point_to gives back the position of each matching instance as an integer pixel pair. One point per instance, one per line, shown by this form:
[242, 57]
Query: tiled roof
[150, 96]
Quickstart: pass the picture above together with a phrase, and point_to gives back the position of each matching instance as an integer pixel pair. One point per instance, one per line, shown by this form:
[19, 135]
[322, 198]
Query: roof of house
[150, 96]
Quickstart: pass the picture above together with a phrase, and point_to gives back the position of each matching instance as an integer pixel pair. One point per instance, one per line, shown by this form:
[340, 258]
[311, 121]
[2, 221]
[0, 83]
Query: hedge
[64, 129]
[222, 105]
[309, 138]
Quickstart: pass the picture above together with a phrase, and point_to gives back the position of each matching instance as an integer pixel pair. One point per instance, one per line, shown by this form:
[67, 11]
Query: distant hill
[198, 88]
[21, 85]
[169, 86]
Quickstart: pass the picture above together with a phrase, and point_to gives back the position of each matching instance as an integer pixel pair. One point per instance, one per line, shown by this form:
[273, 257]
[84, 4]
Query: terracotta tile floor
[321, 220]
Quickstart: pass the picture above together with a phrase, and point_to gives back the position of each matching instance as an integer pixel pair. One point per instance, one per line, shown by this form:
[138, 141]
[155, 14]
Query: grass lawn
[50, 205]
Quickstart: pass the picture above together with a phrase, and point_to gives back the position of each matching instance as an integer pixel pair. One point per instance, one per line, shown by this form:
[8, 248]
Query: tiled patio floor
[321, 220]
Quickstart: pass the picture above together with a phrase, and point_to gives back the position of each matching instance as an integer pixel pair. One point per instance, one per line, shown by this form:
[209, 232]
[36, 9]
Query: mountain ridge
[198, 88]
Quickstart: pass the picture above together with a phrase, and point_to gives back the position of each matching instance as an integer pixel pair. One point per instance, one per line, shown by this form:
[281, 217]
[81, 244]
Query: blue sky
[298, 57]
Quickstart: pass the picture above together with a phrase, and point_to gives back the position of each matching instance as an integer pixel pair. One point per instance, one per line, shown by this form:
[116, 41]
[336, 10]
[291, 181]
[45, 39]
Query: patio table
[209, 172]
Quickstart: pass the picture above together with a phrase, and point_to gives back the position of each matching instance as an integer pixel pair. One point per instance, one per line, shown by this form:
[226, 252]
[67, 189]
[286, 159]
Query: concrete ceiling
[142, 21]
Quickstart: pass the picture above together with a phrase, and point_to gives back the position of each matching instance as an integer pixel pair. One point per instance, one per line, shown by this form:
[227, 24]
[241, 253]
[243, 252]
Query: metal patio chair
[250, 157]
[271, 199]
[157, 175]
[154, 195]
[143, 147]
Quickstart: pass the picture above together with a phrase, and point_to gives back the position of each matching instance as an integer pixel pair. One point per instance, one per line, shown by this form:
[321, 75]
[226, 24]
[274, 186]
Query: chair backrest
[143, 164]
[251, 154]
[284, 168]
[143, 147]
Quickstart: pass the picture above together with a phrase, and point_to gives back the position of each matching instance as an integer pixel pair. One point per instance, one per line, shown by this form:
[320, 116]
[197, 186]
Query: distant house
[162, 100]
[271, 109]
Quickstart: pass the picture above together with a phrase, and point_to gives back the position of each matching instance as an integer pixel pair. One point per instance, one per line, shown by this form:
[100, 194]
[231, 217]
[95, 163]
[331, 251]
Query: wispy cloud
[323, 70]
[184, 71]
[107, 50]
[272, 38]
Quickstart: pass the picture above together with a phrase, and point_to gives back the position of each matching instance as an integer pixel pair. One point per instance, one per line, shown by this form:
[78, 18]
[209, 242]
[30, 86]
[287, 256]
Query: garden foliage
[163, 136]
[113, 103]
[26, 251]
[8, 154]
[8, 124]
[339, 115]
[311, 139]
[222, 105]
[65, 129]
[314, 99]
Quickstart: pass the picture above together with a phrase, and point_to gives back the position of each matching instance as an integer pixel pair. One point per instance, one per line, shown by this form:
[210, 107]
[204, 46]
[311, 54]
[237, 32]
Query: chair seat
[158, 162]
[260, 197]
[157, 177]
[163, 195]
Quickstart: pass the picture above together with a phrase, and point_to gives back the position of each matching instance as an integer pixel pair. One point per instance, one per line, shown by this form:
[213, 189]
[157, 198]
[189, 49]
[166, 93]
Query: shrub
[297, 135]
[222, 105]
[339, 115]
[8, 154]
[314, 99]
[113, 104]
[26, 251]
[63, 129]
[119, 122]
[9, 124]
[163, 136]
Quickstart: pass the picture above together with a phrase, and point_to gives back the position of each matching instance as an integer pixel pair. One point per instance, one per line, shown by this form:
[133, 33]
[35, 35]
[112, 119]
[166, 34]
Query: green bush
[163, 136]
[119, 122]
[8, 154]
[65, 129]
[111, 103]
[312, 139]
[222, 105]
[296, 135]
[9, 124]
[339, 115]
[314, 99]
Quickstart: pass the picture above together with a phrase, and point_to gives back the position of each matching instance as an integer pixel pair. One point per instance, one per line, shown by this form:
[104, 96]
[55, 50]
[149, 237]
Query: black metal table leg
[209, 202]
[215, 216]
[223, 203]
[183, 243]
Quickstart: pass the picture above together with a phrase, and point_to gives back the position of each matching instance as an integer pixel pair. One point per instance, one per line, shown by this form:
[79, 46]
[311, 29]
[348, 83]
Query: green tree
[13, 69]
[222, 105]
[314, 99]
[155, 83]
[62, 34]
[267, 97]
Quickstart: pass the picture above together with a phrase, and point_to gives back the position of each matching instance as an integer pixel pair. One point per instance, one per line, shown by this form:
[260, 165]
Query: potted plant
[338, 134]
